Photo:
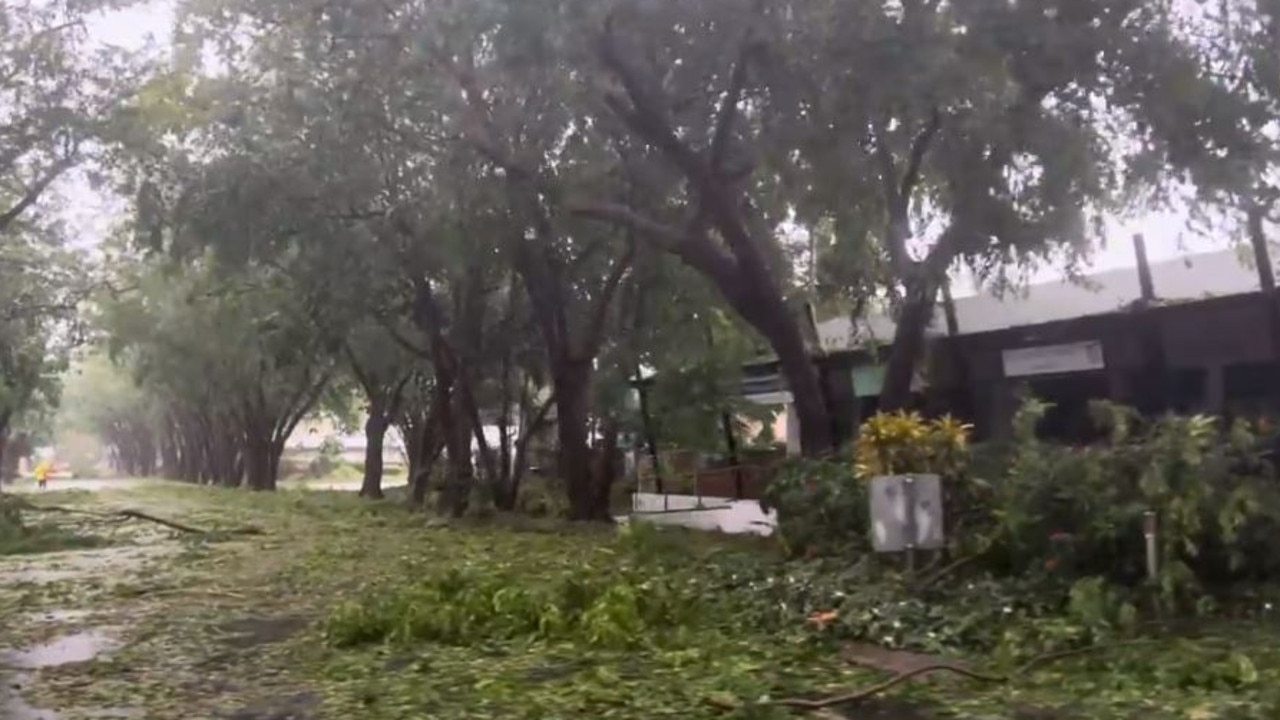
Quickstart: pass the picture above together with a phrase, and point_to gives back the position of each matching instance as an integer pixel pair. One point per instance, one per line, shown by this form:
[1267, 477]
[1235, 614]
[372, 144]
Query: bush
[821, 508]
[328, 461]
[1075, 512]
[540, 498]
[822, 504]
[620, 606]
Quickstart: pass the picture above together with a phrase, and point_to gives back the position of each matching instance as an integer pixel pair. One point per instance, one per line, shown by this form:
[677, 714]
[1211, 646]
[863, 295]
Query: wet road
[99, 485]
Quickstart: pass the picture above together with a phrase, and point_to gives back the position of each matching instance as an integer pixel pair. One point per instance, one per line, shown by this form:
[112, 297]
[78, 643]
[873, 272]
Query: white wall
[736, 517]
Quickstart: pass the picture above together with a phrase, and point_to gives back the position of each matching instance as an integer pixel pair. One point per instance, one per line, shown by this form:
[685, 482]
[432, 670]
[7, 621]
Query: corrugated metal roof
[1203, 275]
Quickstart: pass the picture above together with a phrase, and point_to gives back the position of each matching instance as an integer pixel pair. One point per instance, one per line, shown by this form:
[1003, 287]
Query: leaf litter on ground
[356, 609]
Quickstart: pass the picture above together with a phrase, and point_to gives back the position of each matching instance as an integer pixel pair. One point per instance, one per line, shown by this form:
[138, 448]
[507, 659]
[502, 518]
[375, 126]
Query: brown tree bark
[604, 472]
[573, 413]
[455, 496]
[375, 432]
[425, 444]
[4, 449]
[258, 469]
[909, 342]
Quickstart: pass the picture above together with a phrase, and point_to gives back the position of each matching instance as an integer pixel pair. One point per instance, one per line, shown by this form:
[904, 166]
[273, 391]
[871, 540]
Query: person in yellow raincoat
[42, 473]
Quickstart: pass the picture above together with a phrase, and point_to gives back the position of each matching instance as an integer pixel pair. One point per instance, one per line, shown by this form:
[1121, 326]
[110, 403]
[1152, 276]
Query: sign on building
[1053, 359]
[906, 513]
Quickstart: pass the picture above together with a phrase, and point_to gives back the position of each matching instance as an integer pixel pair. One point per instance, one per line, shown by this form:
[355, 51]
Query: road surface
[97, 485]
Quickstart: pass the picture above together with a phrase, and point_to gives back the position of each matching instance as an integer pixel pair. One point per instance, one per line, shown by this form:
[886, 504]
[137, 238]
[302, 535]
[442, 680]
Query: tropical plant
[1080, 511]
[906, 443]
[822, 509]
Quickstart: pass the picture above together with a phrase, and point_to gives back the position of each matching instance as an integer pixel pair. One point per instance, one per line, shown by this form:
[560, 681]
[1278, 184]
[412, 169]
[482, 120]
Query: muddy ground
[157, 623]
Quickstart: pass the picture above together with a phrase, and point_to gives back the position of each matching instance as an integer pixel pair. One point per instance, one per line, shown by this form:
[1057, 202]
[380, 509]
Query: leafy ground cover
[19, 536]
[348, 609]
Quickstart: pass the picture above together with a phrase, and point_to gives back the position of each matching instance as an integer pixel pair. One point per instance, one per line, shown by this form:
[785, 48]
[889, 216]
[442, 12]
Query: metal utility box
[906, 513]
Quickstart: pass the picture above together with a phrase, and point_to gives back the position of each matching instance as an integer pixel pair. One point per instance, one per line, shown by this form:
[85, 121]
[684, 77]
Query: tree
[439, 199]
[41, 285]
[101, 400]
[684, 75]
[990, 134]
[238, 359]
[56, 98]
[383, 369]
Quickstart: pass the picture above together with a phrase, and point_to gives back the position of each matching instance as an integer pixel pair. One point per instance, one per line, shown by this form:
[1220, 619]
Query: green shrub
[611, 609]
[1075, 512]
[17, 537]
[542, 499]
[328, 461]
[821, 508]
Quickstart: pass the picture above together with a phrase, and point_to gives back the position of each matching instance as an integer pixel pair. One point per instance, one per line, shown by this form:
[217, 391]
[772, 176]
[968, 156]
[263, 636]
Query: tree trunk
[604, 471]
[805, 385]
[908, 342]
[574, 450]
[650, 437]
[456, 495]
[258, 463]
[425, 447]
[15, 447]
[1267, 280]
[375, 431]
[4, 446]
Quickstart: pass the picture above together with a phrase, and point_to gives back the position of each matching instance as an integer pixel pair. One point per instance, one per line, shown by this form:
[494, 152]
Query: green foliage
[612, 610]
[626, 601]
[821, 508]
[542, 499]
[327, 460]
[1079, 511]
[905, 443]
[18, 537]
[822, 504]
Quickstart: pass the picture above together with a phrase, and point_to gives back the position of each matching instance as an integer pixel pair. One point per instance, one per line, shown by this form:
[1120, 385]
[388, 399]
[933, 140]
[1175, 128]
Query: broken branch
[136, 515]
[860, 695]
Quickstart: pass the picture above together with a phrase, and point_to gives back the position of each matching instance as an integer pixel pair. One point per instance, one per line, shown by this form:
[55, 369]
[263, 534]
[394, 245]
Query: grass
[43, 538]
[19, 535]
[347, 608]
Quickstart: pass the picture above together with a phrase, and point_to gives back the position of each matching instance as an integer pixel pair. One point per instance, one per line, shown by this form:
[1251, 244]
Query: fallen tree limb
[135, 515]
[896, 680]
[820, 706]
[1053, 657]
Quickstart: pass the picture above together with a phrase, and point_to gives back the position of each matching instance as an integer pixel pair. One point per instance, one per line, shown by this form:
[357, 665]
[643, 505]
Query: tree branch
[889, 684]
[34, 192]
[595, 328]
[357, 370]
[729, 107]
[919, 148]
[646, 116]
[400, 338]
[697, 251]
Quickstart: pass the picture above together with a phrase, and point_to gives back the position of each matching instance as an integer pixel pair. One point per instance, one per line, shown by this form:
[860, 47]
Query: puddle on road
[75, 648]
[65, 650]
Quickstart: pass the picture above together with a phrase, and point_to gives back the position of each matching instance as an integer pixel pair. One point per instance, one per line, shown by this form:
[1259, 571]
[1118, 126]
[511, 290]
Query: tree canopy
[507, 213]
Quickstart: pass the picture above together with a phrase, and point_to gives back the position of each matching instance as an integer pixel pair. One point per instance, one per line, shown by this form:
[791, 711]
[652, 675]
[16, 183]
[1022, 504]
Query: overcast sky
[93, 213]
